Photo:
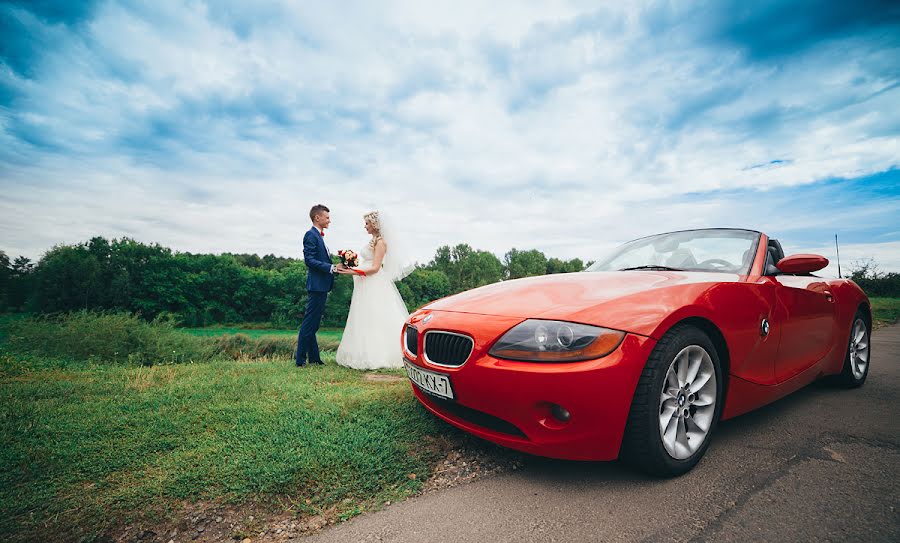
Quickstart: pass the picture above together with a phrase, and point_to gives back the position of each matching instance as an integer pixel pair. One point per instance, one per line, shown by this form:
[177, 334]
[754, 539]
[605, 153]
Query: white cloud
[214, 127]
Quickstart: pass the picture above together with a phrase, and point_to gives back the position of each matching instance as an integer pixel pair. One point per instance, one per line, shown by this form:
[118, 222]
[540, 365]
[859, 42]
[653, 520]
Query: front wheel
[676, 405]
[856, 361]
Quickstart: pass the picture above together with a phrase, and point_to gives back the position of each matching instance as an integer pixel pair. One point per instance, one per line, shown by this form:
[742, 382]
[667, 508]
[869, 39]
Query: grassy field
[87, 447]
[885, 310]
[93, 438]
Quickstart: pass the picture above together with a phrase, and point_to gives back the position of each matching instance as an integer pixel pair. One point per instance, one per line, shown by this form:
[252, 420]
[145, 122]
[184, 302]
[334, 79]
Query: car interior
[775, 254]
[681, 258]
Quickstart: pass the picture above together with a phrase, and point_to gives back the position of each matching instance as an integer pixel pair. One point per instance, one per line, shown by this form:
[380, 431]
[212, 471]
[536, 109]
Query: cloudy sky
[566, 126]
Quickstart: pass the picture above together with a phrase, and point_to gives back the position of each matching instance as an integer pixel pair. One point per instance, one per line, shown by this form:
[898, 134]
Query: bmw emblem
[764, 328]
[427, 319]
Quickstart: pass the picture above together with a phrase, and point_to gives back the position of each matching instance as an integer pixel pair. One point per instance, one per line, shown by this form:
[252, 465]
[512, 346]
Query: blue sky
[566, 126]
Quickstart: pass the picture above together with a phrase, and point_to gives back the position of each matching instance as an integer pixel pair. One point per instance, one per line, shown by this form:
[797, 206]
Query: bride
[371, 338]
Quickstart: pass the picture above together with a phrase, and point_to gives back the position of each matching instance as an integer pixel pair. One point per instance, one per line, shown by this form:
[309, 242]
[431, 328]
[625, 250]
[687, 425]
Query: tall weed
[107, 337]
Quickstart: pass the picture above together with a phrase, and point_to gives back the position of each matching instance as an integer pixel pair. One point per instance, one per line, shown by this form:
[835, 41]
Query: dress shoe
[299, 365]
[318, 362]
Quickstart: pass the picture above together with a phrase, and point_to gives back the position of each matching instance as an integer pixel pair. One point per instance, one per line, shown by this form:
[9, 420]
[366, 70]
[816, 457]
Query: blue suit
[319, 281]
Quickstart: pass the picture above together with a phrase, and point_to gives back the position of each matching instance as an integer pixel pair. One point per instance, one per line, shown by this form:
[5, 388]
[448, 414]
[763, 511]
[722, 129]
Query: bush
[126, 338]
[874, 282]
[107, 337]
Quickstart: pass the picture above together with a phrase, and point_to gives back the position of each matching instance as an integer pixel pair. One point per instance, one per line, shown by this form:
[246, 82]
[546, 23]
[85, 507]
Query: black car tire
[642, 445]
[848, 378]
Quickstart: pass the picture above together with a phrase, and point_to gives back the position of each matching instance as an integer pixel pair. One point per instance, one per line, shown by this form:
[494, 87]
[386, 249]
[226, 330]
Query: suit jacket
[318, 264]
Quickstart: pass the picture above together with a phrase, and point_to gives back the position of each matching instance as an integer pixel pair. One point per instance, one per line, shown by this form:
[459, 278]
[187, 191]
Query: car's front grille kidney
[447, 349]
[412, 338]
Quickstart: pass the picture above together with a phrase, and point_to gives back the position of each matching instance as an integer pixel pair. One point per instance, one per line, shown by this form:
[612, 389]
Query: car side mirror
[801, 264]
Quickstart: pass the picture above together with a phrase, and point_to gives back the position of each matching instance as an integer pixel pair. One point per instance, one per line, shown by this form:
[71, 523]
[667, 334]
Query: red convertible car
[641, 355]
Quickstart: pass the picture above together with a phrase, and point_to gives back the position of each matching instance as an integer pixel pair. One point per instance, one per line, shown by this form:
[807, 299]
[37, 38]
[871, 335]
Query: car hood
[611, 299]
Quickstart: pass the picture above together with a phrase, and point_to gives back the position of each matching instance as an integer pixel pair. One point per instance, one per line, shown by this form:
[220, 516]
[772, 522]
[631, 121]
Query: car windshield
[715, 250]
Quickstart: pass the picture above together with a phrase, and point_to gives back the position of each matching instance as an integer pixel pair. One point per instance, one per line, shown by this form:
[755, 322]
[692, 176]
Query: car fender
[736, 310]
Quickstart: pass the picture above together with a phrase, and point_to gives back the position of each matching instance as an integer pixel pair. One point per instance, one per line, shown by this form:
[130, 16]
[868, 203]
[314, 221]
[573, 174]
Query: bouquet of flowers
[349, 258]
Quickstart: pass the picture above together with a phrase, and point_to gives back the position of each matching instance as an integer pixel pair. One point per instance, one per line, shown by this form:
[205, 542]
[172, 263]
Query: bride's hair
[373, 219]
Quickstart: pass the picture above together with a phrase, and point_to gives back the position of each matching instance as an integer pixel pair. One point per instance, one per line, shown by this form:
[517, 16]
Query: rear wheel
[676, 405]
[856, 362]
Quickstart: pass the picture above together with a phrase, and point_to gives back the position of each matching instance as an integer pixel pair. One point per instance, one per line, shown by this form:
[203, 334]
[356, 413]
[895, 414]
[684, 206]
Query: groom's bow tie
[322, 233]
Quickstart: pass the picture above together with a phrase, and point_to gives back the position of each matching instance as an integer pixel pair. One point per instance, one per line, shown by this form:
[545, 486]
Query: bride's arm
[380, 249]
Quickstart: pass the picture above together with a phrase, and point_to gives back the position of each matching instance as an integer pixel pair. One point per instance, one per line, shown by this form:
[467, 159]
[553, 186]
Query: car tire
[651, 443]
[859, 353]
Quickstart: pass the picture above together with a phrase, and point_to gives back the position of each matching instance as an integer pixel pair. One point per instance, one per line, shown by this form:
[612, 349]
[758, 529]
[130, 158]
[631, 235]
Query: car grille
[412, 338]
[447, 349]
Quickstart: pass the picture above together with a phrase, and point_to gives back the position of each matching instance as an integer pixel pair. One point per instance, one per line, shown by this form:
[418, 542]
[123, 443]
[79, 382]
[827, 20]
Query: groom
[319, 281]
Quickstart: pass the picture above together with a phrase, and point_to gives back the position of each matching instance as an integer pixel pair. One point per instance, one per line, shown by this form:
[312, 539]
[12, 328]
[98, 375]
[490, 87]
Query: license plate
[429, 381]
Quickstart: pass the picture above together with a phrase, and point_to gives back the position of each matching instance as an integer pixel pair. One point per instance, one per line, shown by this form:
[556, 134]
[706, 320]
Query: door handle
[828, 296]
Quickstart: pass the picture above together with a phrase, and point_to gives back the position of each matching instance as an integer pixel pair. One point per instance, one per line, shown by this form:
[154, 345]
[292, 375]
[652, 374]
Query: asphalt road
[820, 465]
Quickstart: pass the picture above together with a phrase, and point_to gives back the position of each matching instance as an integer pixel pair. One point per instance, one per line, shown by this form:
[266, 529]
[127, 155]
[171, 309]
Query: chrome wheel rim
[859, 349]
[687, 403]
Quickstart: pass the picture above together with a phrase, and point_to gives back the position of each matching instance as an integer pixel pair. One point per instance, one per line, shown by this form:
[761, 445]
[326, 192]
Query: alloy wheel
[687, 403]
[859, 349]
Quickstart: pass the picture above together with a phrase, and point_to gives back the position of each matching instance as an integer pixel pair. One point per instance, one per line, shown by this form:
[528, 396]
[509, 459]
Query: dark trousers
[307, 346]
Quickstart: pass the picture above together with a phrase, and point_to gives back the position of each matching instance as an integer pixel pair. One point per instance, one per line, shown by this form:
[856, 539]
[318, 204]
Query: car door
[806, 311]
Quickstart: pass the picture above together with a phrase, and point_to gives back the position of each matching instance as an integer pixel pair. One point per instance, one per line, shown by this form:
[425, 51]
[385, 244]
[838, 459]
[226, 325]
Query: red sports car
[639, 356]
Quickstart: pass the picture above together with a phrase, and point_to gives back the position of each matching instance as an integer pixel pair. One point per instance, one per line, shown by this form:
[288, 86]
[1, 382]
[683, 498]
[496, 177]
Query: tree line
[203, 289]
[873, 281]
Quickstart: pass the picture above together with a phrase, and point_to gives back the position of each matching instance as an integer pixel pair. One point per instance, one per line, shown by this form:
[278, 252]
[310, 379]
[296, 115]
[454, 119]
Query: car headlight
[556, 341]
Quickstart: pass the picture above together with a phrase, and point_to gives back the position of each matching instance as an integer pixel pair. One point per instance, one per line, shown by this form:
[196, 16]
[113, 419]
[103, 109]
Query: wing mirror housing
[800, 264]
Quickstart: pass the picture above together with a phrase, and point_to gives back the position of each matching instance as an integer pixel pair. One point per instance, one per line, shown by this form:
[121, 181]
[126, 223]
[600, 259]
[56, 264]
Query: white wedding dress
[371, 338]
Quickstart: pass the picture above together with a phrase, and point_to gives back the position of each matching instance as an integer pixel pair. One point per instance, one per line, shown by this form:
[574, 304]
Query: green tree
[555, 265]
[5, 278]
[20, 283]
[423, 286]
[67, 278]
[287, 294]
[467, 268]
[272, 262]
[874, 282]
[251, 261]
[202, 289]
[524, 263]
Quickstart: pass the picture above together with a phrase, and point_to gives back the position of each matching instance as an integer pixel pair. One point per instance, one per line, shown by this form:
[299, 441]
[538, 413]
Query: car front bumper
[510, 403]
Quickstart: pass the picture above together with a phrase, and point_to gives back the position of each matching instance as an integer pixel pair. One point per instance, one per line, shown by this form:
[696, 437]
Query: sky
[563, 126]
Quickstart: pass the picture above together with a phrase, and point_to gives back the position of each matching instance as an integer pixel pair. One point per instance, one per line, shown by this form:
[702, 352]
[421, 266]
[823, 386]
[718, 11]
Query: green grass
[85, 447]
[885, 310]
[324, 333]
[111, 337]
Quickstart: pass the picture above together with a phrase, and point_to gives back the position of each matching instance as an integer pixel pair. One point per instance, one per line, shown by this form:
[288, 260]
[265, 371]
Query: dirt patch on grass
[210, 522]
[463, 458]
